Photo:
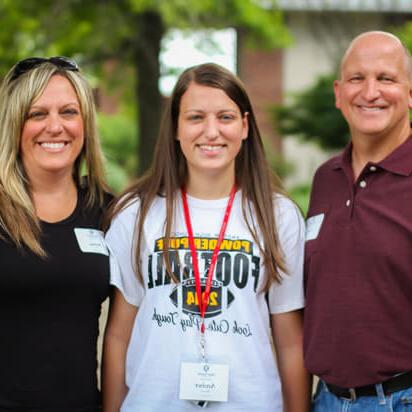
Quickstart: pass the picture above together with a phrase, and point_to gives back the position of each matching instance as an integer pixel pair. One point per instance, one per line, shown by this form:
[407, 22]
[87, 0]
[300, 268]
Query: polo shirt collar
[344, 160]
[398, 162]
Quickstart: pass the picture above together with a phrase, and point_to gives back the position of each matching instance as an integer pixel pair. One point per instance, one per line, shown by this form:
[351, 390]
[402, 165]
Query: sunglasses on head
[30, 63]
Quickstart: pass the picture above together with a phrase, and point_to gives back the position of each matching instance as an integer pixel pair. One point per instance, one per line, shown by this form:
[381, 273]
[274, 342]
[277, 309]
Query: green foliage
[118, 136]
[116, 177]
[264, 25]
[276, 161]
[95, 32]
[301, 195]
[312, 116]
[405, 34]
[18, 37]
[280, 165]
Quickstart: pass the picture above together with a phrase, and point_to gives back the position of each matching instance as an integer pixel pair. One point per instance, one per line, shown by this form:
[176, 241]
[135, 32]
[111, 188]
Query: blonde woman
[207, 267]
[54, 265]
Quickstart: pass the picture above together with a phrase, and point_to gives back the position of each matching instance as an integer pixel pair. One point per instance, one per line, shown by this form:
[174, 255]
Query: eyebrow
[218, 111]
[36, 105]
[387, 72]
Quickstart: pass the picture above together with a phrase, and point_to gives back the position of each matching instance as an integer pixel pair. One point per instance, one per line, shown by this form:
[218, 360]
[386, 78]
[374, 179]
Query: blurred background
[286, 52]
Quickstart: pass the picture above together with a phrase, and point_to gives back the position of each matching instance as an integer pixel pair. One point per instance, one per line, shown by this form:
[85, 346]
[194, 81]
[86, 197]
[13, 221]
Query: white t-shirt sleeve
[289, 294]
[120, 241]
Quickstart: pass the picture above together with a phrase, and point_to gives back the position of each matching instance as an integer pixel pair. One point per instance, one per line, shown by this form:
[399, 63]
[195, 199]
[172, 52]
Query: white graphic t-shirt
[166, 328]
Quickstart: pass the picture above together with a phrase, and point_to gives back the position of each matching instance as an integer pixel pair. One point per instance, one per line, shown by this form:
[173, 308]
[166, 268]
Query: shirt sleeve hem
[290, 307]
[127, 297]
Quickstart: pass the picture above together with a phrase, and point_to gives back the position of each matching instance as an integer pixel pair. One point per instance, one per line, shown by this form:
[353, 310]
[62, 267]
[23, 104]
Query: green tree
[405, 34]
[312, 116]
[130, 32]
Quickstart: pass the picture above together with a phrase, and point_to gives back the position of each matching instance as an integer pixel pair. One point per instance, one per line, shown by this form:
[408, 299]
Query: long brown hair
[168, 173]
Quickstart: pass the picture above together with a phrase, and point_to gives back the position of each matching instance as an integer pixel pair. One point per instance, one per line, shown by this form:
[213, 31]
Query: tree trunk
[150, 30]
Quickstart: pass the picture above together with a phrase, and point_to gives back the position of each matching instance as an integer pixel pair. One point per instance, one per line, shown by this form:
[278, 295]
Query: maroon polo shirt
[358, 271]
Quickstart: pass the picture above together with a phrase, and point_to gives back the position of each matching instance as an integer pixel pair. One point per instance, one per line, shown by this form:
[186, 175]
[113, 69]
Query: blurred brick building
[321, 30]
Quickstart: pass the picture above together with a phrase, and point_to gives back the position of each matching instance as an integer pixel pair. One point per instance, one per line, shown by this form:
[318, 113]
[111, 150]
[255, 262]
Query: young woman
[206, 263]
[54, 266]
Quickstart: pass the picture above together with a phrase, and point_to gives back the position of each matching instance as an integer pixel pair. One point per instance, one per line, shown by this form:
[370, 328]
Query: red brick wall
[261, 72]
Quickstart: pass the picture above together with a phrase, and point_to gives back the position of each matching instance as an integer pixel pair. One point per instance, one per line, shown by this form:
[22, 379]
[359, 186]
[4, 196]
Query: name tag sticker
[202, 381]
[91, 241]
[313, 225]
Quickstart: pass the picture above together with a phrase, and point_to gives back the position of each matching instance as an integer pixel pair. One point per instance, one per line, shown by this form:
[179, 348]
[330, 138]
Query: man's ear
[336, 89]
[410, 97]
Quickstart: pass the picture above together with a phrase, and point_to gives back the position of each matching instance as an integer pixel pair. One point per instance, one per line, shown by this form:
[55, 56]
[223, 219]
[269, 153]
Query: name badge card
[313, 225]
[91, 241]
[203, 381]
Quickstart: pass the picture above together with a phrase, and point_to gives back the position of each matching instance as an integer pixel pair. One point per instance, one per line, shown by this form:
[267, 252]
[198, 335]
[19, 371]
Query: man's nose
[371, 89]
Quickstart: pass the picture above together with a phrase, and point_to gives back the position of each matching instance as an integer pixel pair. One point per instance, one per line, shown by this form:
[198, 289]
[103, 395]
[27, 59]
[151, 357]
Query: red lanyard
[203, 301]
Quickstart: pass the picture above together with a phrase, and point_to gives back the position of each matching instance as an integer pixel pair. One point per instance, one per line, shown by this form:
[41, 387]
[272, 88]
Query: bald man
[358, 264]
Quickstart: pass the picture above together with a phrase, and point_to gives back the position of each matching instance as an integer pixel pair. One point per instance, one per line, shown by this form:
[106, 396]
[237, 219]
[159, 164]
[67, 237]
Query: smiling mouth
[371, 108]
[53, 145]
[210, 148]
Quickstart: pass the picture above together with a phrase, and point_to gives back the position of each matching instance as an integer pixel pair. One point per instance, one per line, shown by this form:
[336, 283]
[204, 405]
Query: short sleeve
[289, 294]
[120, 242]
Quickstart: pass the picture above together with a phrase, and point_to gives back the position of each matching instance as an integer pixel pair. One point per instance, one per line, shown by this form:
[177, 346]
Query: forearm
[114, 388]
[116, 341]
[287, 329]
[296, 382]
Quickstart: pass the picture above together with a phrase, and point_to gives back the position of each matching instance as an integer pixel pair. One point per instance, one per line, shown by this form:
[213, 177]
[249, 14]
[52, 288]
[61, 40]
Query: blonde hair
[17, 215]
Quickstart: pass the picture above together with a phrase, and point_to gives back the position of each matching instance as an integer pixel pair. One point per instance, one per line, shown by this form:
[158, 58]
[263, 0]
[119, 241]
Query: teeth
[372, 109]
[52, 145]
[212, 148]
